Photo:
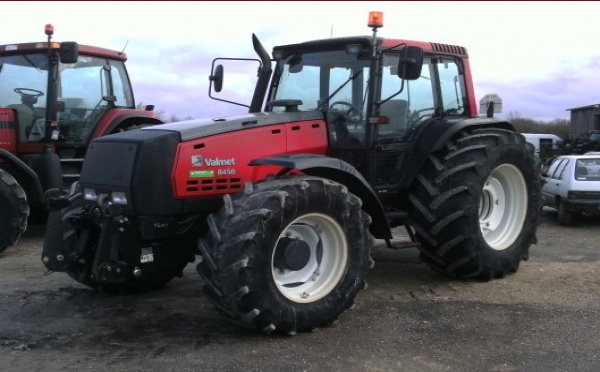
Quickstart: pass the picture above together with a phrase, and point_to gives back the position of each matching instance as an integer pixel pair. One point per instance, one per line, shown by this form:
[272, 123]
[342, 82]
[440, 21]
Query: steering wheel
[25, 92]
[353, 113]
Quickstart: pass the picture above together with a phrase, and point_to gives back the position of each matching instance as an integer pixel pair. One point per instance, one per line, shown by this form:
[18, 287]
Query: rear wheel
[477, 204]
[286, 255]
[14, 210]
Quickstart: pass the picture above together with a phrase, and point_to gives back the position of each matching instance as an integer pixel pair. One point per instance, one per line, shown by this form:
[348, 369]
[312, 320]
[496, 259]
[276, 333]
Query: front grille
[212, 186]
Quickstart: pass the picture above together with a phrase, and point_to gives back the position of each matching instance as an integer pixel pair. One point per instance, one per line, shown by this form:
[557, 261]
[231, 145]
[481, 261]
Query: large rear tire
[477, 204]
[14, 210]
[286, 255]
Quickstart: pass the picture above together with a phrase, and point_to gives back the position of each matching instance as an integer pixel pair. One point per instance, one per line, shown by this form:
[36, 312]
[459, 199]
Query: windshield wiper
[352, 77]
[31, 63]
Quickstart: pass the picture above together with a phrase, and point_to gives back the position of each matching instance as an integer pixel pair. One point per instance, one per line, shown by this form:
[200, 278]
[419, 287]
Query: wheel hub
[503, 206]
[291, 254]
[310, 258]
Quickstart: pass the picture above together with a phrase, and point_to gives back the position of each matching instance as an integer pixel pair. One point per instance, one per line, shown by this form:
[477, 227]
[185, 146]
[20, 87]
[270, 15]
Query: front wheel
[286, 255]
[13, 210]
[476, 204]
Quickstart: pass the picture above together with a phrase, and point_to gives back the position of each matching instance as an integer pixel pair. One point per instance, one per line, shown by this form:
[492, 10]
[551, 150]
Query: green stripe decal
[202, 174]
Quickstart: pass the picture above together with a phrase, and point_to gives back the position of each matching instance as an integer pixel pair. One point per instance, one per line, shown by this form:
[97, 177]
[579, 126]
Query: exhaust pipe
[264, 75]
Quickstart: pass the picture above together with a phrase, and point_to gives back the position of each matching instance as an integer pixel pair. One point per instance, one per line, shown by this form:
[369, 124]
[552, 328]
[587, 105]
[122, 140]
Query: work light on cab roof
[49, 29]
[375, 19]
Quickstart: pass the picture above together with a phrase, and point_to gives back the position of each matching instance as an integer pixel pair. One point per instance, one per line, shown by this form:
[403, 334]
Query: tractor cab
[60, 90]
[55, 97]
[375, 94]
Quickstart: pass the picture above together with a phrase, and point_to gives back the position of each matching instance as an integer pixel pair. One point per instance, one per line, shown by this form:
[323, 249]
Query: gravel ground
[546, 317]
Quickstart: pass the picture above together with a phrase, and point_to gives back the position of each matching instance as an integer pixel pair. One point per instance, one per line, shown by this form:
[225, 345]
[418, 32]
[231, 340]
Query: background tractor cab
[54, 98]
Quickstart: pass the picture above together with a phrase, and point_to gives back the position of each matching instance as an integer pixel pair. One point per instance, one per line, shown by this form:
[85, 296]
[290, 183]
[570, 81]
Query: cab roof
[34, 47]
[367, 42]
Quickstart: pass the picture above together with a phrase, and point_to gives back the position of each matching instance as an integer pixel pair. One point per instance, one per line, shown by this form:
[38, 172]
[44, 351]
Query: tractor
[54, 98]
[345, 139]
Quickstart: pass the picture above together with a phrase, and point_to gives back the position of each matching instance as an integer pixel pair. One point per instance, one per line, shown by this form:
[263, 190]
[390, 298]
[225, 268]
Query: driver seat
[396, 110]
[25, 119]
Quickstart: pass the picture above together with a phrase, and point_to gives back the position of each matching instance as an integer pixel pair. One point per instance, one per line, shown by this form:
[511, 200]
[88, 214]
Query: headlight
[118, 197]
[90, 194]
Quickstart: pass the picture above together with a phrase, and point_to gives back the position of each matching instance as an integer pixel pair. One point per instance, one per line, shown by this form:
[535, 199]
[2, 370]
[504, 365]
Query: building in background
[584, 120]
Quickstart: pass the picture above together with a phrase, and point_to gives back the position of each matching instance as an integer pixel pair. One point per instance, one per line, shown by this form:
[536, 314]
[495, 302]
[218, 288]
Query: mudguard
[29, 179]
[339, 171]
[436, 134]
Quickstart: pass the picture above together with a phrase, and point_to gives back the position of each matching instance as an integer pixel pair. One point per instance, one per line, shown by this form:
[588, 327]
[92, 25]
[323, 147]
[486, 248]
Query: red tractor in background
[358, 135]
[54, 98]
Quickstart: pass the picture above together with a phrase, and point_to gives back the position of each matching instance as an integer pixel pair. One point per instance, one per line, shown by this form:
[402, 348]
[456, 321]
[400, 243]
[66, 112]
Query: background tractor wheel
[14, 210]
[476, 204]
[286, 255]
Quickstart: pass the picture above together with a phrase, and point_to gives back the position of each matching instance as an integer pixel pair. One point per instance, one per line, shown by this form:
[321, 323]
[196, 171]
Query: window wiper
[352, 77]
[31, 63]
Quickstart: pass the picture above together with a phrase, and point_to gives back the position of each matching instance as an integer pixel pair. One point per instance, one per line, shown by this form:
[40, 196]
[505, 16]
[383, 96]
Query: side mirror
[216, 78]
[296, 64]
[68, 52]
[410, 63]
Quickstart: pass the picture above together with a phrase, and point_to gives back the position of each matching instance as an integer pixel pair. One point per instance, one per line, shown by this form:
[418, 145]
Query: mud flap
[118, 236]
[56, 245]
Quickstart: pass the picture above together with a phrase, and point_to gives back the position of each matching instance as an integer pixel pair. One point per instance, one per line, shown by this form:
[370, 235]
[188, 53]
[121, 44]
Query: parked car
[572, 185]
[597, 153]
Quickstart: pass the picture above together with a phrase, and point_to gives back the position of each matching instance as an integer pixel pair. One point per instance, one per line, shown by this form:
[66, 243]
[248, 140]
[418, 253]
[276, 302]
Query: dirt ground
[546, 317]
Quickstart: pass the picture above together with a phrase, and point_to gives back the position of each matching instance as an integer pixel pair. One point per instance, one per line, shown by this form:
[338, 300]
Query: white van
[535, 139]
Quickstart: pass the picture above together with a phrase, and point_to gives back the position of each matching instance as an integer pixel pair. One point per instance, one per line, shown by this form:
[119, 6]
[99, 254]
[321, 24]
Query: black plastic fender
[433, 137]
[130, 120]
[26, 176]
[339, 171]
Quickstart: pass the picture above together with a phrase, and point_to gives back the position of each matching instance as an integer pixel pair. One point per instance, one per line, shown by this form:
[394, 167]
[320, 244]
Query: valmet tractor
[358, 135]
[54, 98]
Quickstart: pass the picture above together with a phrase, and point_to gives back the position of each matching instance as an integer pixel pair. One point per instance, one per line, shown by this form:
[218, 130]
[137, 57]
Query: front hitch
[57, 199]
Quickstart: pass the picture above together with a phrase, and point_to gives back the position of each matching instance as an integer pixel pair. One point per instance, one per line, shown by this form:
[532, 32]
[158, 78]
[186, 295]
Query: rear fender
[338, 171]
[27, 178]
[434, 136]
[114, 119]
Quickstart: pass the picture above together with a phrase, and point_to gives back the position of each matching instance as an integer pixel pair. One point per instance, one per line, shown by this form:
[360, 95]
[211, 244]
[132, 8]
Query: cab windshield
[320, 79]
[337, 83]
[85, 90]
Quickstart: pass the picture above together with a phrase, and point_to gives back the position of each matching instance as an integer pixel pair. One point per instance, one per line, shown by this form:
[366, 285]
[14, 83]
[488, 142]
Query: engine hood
[199, 128]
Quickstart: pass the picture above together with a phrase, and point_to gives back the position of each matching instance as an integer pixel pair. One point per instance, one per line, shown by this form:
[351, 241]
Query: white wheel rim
[327, 263]
[503, 206]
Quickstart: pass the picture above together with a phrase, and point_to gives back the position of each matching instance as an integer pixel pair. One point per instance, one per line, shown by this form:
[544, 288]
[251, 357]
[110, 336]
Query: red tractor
[54, 98]
[358, 135]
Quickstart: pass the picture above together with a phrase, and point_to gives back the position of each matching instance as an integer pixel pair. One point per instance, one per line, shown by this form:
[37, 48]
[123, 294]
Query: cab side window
[452, 87]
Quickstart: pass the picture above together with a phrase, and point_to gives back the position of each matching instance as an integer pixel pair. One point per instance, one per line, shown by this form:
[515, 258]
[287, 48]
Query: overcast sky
[541, 58]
